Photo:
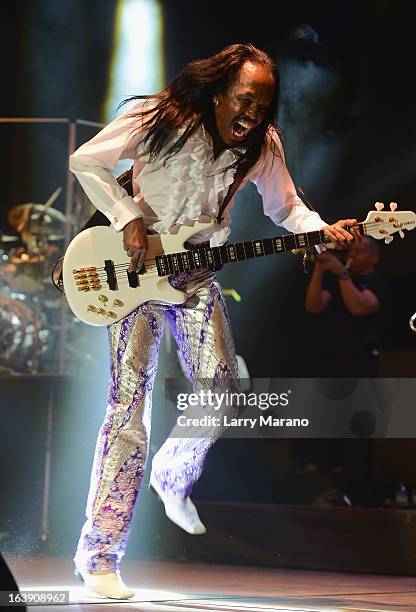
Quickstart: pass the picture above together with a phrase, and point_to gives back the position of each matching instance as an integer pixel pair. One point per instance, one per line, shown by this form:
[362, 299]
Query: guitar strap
[126, 180]
[238, 177]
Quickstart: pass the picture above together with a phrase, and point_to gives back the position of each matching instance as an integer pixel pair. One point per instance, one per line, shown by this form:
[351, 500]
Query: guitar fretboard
[214, 257]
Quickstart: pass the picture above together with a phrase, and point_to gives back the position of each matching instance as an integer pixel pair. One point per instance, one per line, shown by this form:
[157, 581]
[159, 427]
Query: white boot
[180, 511]
[109, 584]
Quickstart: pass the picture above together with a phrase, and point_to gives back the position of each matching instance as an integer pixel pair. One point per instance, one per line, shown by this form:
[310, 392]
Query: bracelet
[344, 276]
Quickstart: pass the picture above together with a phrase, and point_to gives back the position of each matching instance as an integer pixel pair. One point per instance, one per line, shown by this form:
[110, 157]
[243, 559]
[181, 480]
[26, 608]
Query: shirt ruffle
[196, 182]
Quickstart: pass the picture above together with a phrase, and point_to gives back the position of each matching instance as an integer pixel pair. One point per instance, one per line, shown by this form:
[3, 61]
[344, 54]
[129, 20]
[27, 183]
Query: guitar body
[86, 283]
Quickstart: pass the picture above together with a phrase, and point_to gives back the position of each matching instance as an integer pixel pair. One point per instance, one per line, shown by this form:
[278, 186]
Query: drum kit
[29, 302]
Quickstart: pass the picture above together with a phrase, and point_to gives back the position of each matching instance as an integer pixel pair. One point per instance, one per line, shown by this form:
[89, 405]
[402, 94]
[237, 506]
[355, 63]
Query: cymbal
[36, 219]
[8, 238]
[52, 237]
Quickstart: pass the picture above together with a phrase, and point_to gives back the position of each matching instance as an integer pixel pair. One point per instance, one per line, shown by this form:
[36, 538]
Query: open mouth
[241, 129]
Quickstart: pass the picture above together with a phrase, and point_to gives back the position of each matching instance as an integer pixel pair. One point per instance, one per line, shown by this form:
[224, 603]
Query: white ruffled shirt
[188, 185]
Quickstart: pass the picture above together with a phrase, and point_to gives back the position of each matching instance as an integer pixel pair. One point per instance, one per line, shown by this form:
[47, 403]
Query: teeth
[242, 128]
[245, 124]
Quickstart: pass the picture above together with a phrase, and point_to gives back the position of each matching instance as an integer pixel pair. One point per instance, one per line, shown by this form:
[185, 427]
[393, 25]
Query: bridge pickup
[111, 274]
[133, 279]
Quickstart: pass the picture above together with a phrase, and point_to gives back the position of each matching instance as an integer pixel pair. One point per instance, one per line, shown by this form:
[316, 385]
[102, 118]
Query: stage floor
[186, 587]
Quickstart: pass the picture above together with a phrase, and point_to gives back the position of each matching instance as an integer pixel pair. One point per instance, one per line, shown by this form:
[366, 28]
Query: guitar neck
[209, 257]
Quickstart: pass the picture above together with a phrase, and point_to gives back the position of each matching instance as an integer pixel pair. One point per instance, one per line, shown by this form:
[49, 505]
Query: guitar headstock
[382, 224]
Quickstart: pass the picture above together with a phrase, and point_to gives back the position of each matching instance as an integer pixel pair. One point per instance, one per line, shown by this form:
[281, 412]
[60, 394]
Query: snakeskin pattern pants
[202, 331]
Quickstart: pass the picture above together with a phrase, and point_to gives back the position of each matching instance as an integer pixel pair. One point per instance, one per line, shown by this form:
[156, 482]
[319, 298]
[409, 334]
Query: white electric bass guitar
[100, 289]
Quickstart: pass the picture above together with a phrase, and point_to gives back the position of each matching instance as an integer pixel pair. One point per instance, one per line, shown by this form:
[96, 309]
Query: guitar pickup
[133, 279]
[111, 274]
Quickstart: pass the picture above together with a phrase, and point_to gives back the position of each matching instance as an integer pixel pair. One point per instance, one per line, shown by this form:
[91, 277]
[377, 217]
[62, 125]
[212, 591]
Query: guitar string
[365, 225]
[127, 264]
[152, 275]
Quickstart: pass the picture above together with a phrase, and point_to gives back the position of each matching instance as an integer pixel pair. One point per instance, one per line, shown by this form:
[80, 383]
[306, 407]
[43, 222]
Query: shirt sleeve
[280, 200]
[93, 164]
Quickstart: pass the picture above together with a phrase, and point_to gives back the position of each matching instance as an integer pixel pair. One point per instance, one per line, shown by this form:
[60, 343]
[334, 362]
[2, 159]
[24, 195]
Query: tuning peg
[393, 206]
[401, 233]
[379, 205]
[388, 239]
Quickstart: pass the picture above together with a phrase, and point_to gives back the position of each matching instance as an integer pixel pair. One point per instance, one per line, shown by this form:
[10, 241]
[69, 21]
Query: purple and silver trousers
[202, 331]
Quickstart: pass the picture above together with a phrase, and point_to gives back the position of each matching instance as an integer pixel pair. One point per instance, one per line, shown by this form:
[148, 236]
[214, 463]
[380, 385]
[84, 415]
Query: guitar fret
[268, 246]
[301, 240]
[239, 248]
[203, 256]
[314, 237]
[210, 257]
[175, 262]
[278, 244]
[258, 248]
[232, 255]
[165, 265]
[191, 260]
[217, 257]
[161, 265]
[248, 250]
[171, 266]
[180, 262]
[289, 242]
[188, 261]
[224, 254]
[197, 259]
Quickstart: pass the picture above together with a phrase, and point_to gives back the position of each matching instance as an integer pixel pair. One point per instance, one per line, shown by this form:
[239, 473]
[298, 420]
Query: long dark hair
[188, 102]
